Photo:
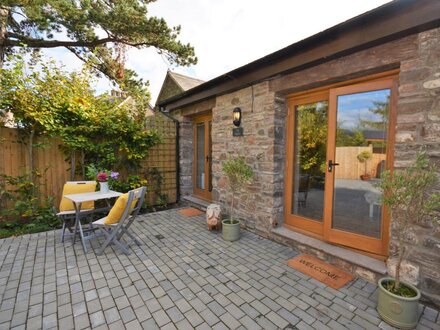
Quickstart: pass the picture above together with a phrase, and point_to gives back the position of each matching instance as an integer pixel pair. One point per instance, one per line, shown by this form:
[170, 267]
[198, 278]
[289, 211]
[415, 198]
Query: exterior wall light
[236, 117]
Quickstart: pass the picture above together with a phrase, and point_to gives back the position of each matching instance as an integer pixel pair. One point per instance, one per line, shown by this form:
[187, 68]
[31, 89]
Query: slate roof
[185, 82]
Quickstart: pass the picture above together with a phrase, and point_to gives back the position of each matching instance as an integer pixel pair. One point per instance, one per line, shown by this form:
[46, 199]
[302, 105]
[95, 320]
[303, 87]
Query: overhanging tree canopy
[96, 31]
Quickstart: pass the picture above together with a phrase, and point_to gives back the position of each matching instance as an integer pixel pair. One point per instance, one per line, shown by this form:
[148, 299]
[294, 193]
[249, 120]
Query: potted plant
[363, 157]
[238, 173]
[406, 193]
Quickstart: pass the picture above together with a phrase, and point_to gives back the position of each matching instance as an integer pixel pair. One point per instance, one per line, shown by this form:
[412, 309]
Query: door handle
[331, 164]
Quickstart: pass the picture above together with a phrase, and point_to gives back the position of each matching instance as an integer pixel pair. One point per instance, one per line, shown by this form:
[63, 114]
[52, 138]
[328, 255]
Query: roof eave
[386, 23]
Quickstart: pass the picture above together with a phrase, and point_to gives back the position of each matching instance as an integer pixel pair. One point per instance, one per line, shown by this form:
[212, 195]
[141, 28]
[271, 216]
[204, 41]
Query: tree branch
[41, 43]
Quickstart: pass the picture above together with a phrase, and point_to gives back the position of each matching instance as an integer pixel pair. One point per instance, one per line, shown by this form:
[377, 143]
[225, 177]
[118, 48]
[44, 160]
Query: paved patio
[182, 277]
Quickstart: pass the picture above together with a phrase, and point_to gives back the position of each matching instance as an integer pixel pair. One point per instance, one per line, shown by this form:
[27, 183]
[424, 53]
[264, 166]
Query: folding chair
[67, 211]
[119, 220]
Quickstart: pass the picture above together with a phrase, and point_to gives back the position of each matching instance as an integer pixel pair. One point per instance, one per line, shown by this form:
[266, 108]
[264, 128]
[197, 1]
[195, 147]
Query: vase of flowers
[102, 178]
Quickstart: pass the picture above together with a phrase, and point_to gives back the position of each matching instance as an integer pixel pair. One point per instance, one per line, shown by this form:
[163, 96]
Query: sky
[227, 34]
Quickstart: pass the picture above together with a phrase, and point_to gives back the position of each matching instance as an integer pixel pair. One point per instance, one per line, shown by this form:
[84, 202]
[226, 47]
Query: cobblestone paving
[183, 277]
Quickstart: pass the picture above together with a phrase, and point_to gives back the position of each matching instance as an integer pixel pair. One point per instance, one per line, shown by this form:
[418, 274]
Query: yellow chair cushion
[75, 188]
[117, 210]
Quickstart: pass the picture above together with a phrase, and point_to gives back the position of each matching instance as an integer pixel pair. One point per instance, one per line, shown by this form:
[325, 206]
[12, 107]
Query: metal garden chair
[119, 220]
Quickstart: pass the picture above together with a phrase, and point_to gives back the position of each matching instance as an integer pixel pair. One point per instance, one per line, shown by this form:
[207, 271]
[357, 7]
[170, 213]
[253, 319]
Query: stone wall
[418, 125]
[261, 204]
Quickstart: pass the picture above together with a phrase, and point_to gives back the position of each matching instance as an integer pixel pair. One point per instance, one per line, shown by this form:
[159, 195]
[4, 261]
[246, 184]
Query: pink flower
[102, 177]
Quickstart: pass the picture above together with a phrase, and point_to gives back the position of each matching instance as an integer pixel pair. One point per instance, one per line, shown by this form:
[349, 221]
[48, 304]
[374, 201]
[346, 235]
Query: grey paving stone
[277, 320]
[18, 319]
[66, 323]
[174, 282]
[260, 307]
[161, 318]
[229, 320]
[216, 308]
[118, 325]
[320, 326]
[127, 314]
[249, 323]
[50, 321]
[81, 321]
[133, 325]
[111, 315]
[193, 317]
[265, 323]
[34, 323]
[182, 325]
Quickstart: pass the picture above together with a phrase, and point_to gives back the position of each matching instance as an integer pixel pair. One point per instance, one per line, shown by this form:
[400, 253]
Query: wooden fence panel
[350, 167]
[50, 161]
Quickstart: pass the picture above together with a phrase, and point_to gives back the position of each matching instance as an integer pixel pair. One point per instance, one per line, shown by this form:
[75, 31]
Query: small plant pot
[230, 232]
[398, 311]
[365, 177]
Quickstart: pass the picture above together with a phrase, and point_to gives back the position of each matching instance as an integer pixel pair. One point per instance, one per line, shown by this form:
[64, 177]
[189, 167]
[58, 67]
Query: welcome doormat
[190, 212]
[320, 270]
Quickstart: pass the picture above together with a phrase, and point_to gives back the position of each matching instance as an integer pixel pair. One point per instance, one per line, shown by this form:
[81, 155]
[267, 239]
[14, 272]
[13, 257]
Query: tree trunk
[232, 206]
[72, 165]
[83, 164]
[30, 155]
[3, 23]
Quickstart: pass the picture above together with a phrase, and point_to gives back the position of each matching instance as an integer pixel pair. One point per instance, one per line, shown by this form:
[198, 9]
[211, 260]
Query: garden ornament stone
[213, 216]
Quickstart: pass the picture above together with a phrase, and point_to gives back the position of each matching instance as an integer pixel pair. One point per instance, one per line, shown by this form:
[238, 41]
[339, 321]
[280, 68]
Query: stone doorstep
[196, 202]
[358, 264]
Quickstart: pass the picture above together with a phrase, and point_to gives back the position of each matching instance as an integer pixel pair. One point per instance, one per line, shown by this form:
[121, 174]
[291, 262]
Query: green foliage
[380, 110]
[97, 32]
[312, 133]
[238, 174]
[23, 208]
[363, 158]
[155, 185]
[53, 102]
[353, 138]
[411, 200]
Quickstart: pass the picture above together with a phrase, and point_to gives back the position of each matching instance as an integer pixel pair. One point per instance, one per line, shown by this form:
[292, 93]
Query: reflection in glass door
[306, 159]
[338, 144]
[361, 139]
[309, 160]
[358, 151]
[202, 157]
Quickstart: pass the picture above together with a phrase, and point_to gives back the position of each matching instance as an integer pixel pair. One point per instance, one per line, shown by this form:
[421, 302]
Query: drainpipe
[161, 110]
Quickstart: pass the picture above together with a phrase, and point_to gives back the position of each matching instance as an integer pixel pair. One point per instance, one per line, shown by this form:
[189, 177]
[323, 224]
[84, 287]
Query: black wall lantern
[236, 117]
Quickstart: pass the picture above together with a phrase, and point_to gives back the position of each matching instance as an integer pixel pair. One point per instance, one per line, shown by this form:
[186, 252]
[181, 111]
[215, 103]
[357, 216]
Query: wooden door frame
[355, 240]
[202, 193]
[296, 221]
[323, 230]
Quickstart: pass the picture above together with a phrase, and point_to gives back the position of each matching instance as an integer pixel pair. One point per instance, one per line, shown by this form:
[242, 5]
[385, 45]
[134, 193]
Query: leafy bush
[238, 173]
[23, 208]
[409, 196]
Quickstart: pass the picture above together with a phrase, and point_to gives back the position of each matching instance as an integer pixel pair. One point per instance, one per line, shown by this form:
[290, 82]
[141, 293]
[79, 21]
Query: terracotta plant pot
[365, 177]
[400, 312]
[230, 232]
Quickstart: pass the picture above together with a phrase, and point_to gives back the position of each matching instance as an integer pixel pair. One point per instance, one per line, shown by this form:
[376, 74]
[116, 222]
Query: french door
[339, 141]
[202, 172]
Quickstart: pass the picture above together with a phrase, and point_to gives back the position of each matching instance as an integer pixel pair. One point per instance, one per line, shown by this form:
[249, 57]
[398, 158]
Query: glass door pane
[309, 144]
[200, 156]
[210, 157]
[361, 141]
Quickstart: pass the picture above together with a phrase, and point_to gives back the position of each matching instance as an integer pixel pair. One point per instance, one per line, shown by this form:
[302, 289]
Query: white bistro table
[78, 199]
